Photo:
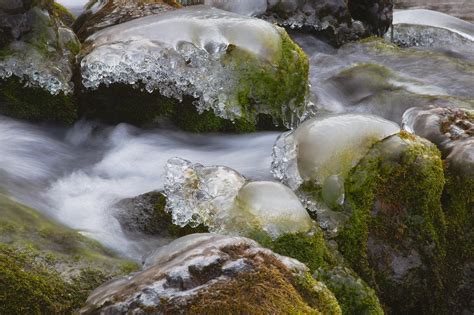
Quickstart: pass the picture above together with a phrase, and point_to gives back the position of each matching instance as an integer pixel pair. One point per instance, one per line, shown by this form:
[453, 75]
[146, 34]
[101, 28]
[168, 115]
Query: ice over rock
[217, 57]
[322, 151]
[223, 200]
[41, 50]
[451, 129]
[177, 276]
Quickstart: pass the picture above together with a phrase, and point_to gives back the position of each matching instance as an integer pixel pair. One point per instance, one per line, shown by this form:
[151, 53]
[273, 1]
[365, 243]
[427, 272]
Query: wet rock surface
[204, 272]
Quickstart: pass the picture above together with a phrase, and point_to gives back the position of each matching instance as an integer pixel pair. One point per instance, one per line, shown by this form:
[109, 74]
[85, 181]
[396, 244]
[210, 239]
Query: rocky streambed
[236, 157]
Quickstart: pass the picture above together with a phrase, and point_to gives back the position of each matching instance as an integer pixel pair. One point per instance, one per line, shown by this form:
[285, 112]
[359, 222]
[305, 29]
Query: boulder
[202, 273]
[216, 63]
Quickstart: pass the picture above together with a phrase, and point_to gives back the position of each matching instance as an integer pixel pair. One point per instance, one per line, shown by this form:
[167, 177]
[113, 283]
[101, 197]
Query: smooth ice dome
[223, 200]
[221, 59]
[322, 150]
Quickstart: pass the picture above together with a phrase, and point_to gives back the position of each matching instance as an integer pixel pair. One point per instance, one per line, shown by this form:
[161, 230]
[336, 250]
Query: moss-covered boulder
[205, 273]
[146, 214]
[231, 67]
[328, 266]
[395, 236]
[37, 58]
[46, 268]
[452, 130]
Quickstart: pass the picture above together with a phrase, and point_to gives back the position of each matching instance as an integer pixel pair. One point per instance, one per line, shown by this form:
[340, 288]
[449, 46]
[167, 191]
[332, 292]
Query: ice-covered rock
[37, 55]
[451, 129]
[223, 200]
[39, 50]
[205, 273]
[315, 159]
[235, 66]
[105, 13]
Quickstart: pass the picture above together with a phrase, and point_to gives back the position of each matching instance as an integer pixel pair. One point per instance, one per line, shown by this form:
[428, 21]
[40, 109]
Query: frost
[322, 151]
[184, 52]
[221, 199]
[41, 57]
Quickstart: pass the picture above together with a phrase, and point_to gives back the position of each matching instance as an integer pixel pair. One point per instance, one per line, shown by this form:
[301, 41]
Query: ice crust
[180, 270]
[322, 150]
[42, 56]
[223, 200]
[182, 53]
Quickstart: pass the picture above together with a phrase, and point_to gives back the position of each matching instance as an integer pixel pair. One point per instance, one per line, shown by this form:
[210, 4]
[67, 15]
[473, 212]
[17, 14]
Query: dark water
[463, 9]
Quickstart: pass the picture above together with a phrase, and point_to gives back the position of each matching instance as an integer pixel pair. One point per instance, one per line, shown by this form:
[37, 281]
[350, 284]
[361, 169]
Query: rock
[232, 66]
[337, 21]
[315, 159]
[202, 273]
[452, 130]
[113, 12]
[47, 268]
[145, 214]
[221, 199]
[395, 236]
[36, 62]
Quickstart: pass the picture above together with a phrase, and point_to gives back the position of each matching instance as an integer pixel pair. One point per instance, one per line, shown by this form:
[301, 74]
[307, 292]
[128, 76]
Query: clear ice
[223, 200]
[322, 151]
[182, 52]
[41, 57]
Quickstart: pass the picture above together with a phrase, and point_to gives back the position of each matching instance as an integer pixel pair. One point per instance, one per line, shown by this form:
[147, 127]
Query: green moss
[35, 104]
[63, 14]
[310, 249]
[46, 268]
[394, 196]
[278, 86]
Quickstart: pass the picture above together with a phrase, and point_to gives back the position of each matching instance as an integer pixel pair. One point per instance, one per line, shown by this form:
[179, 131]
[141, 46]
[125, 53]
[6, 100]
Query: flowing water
[77, 174]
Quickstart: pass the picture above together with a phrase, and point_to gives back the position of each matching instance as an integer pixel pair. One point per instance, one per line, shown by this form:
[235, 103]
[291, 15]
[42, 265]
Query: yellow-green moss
[275, 87]
[34, 103]
[394, 197]
[46, 268]
[63, 14]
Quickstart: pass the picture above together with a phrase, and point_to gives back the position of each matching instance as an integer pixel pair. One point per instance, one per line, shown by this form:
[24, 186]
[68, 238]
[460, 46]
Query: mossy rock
[123, 103]
[395, 237]
[352, 293]
[35, 104]
[46, 268]
[146, 214]
[218, 274]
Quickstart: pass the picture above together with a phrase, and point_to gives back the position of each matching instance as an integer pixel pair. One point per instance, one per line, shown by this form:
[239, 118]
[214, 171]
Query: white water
[77, 175]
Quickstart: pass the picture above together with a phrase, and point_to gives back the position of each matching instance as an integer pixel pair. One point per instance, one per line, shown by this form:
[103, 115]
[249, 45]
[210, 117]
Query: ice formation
[322, 151]
[244, 7]
[434, 19]
[223, 200]
[178, 272]
[198, 51]
[451, 129]
[42, 53]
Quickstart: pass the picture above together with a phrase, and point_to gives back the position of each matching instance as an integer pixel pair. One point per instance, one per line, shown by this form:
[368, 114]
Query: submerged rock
[315, 159]
[221, 199]
[395, 235]
[202, 273]
[45, 267]
[145, 214]
[234, 66]
[36, 62]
